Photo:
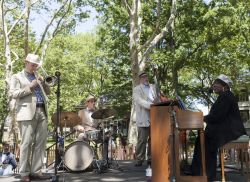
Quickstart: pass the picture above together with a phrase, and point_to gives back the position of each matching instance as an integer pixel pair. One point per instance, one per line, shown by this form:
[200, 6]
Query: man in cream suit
[29, 90]
[144, 95]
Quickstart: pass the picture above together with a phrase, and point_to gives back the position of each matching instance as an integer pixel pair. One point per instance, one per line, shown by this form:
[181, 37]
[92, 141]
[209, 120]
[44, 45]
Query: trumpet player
[30, 92]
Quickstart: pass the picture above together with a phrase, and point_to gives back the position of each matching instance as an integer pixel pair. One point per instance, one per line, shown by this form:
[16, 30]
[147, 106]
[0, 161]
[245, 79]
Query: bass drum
[78, 156]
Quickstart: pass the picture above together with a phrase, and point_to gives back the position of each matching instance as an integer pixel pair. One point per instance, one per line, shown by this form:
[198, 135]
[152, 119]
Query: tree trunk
[140, 53]
[26, 28]
[8, 64]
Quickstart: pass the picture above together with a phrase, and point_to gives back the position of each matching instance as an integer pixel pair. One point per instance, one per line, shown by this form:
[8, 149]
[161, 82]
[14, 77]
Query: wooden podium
[166, 124]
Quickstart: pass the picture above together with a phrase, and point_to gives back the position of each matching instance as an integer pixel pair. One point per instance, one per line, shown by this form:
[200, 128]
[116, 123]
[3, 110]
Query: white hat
[225, 79]
[90, 97]
[33, 58]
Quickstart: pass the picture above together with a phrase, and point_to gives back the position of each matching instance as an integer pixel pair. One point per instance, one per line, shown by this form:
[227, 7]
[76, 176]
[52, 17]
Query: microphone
[57, 73]
[208, 90]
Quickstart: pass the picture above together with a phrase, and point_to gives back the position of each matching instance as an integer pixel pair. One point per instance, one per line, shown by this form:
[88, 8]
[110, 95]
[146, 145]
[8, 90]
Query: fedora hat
[33, 58]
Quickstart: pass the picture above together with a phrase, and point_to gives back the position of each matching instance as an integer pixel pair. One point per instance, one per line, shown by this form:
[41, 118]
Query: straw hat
[33, 58]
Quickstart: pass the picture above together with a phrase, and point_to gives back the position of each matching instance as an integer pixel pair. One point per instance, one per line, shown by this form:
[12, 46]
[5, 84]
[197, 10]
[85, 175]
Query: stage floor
[129, 173]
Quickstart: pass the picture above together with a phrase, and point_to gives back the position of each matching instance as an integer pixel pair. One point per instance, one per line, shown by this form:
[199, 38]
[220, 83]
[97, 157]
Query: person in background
[7, 160]
[144, 95]
[223, 124]
[30, 92]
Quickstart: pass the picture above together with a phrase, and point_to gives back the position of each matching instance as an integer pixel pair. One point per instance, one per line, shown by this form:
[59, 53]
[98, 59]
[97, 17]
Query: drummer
[88, 123]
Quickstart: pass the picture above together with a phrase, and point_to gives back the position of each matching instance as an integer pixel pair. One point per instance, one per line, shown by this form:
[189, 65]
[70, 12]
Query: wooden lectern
[166, 124]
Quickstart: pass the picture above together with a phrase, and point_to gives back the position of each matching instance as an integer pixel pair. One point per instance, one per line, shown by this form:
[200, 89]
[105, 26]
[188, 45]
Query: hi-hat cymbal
[103, 113]
[67, 119]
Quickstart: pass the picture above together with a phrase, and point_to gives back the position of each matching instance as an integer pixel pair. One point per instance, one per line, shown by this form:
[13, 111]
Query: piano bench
[241, 144]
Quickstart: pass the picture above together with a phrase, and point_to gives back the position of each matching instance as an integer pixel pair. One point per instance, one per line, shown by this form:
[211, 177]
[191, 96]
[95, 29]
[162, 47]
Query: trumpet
[48, 80]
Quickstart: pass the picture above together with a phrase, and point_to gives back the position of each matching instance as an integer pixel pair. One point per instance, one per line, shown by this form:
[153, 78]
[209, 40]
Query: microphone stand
[174, 125]
[57, 74]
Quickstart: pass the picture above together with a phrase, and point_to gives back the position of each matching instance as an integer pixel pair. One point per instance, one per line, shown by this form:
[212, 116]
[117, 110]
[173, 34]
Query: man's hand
[40, 78]
[79, 128]
[156, 100]
[33, 84]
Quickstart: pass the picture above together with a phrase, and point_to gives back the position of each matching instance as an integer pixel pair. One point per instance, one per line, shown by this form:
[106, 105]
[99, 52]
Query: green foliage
[207, 40]
[75, 58]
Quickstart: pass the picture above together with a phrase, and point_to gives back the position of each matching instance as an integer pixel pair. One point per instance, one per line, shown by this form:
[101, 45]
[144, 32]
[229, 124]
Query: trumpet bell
[50, 81]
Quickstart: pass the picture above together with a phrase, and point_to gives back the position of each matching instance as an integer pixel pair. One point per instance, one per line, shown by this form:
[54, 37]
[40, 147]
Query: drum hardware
[81, 150]
[106, 162]
[111, 163]
[62, 120]
[103, 113]
[61, 149]
[93, 135]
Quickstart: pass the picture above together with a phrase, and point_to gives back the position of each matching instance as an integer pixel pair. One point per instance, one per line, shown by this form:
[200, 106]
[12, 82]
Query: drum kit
[81, 155]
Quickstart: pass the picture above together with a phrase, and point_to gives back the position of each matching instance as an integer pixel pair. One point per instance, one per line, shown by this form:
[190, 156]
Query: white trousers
[33, 143]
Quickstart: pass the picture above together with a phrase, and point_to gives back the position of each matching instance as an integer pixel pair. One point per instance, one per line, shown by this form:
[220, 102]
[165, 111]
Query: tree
[14, 13]
[203, 37]
[141, 41]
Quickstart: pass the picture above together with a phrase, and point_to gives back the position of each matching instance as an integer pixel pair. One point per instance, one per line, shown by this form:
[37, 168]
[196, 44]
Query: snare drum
[78, 156]
[93, 135]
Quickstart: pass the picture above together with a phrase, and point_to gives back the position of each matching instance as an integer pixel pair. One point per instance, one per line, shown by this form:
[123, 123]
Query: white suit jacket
[25, 98]
[142, 105]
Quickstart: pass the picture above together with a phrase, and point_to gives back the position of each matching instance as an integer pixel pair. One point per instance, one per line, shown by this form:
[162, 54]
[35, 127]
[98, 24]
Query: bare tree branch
[163, 32]
[157, 25]
[26, 27]
[62, 17]
[16, 56]
[56, 30]
[16, 22]
[50, 24]
[19, 18]
[127, 6]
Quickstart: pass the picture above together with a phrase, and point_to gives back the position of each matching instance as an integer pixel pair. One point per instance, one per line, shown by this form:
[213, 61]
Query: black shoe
[212, 179]
[39, 177]
[149, 163]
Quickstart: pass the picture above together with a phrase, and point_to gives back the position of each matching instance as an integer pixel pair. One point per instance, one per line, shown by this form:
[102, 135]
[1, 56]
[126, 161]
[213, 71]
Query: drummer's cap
[90, 97]
[142, 73]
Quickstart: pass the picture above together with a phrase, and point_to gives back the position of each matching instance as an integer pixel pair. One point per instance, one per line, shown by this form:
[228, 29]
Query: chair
[241, 144]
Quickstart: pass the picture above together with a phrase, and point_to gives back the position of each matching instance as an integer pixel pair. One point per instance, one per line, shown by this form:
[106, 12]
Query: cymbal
[103, 113]
[67, 119]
